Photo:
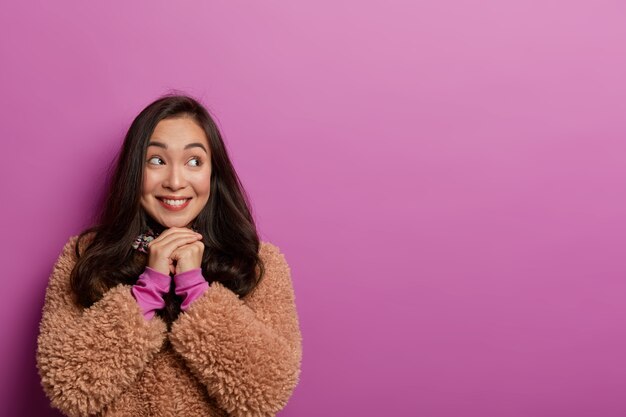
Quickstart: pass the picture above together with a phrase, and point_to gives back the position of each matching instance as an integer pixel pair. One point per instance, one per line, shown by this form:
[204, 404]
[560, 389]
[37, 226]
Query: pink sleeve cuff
[190, 285]
[149, 291]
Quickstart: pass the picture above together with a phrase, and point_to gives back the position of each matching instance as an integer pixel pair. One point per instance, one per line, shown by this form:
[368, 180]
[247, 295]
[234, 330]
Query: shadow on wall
[27, 397]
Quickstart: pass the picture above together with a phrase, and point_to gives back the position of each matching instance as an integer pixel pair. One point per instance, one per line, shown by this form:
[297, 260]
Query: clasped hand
[176, 250]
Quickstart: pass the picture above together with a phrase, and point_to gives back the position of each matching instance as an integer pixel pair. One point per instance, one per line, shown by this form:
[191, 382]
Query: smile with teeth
[174, 204]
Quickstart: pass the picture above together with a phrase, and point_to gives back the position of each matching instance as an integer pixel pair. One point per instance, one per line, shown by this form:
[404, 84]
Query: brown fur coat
[224, 356]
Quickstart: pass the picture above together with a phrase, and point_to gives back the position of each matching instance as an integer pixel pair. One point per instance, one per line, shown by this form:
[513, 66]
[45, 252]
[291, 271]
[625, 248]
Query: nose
[175, 178]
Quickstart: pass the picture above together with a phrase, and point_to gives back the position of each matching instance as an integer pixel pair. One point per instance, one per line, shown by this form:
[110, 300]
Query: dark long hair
[226, 224]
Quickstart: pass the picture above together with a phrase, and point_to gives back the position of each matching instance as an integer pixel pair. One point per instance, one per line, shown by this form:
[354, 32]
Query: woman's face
[177, 173]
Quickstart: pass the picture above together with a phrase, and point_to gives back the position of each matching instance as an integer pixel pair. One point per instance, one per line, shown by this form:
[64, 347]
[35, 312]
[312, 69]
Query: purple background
[446, 179]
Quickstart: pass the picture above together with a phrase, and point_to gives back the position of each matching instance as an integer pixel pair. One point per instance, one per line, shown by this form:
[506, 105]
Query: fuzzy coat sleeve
[87, 357]
[247, 352]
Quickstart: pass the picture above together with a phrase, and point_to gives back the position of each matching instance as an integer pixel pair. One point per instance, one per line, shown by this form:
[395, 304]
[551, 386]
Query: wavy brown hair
[226, 224]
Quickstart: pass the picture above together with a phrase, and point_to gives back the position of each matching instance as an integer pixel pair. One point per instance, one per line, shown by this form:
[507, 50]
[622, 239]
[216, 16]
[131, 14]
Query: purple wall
[446, 178]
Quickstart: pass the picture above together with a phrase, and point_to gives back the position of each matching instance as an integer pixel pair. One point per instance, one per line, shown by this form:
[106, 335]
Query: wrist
[185, 269]
[190, 285]
[189, 272]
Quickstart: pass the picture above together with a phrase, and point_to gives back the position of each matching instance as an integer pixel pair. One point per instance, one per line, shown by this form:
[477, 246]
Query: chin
[178, 224]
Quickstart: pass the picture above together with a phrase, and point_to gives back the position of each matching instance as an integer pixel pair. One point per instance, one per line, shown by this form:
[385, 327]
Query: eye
[198, 161]
[154, 157]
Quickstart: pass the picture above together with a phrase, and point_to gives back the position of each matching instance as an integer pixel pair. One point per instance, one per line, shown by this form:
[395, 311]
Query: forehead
[178, 132]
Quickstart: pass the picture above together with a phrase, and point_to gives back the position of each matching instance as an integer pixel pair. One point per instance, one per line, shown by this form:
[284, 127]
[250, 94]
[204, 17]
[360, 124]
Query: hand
[161, 249]
[188, 256]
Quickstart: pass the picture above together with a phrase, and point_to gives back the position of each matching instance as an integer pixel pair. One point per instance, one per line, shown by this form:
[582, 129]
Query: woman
[171, 305]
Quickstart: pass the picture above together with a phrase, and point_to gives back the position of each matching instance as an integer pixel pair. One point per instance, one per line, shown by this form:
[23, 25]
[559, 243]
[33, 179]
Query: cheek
[204, 189]
[149, 182]
[202, 184]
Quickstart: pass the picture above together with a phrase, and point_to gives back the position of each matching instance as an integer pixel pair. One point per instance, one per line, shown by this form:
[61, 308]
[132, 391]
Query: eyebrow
[189, 145]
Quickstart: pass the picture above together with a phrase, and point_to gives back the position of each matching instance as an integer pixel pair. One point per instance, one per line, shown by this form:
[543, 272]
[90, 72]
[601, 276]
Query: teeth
[174, 202]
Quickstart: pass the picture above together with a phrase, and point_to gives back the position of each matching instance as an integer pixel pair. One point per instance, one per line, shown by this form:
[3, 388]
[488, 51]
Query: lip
[173, 197]
[172, 208]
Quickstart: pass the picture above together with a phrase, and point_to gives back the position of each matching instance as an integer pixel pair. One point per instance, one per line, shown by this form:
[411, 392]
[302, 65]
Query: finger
[176, 241]
[166, 249]
[173, 231]
[164, 239]
[197, 244]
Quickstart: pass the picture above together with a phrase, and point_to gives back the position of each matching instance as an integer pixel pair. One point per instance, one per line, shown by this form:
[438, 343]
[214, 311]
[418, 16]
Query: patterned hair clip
[141, 242]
